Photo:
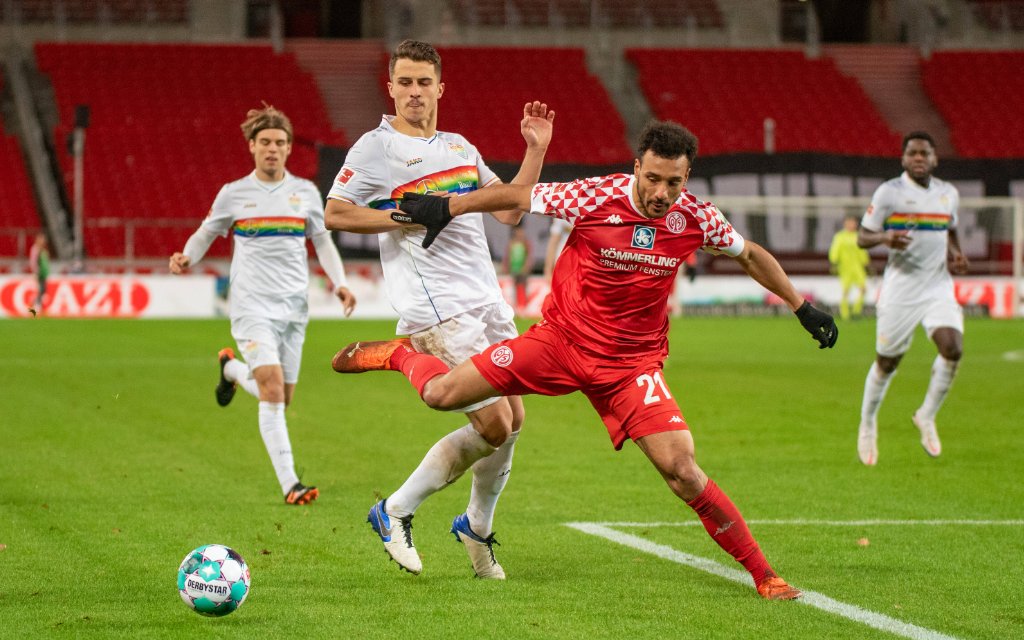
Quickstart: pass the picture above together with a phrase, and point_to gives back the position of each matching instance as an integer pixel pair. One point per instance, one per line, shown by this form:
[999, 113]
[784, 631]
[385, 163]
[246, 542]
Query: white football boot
[480, 550]
[396, 534]
[929, 436]
[867, 443]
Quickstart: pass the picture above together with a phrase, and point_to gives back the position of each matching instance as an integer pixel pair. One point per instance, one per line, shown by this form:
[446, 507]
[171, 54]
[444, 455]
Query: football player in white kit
[447, 298]
[915, 215]
[270, 213]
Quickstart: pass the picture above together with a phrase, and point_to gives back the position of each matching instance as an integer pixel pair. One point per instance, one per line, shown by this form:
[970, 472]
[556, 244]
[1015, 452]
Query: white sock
[238, 372]
[274, 430]
[875, 386]
[490, 475]
[445, 463]
[943, 372]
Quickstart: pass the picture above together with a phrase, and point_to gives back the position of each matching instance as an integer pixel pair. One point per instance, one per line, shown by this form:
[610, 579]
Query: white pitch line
[811, 598]
[831, 523]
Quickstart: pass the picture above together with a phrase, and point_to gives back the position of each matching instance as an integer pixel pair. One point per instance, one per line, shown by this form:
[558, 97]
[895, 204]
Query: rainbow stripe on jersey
[924, 221]
[264, 227]
[456, 180]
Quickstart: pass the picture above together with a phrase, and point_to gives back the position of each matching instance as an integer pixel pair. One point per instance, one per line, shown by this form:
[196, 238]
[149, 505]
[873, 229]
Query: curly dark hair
[667, 139]
[416, 51]
[918, 135]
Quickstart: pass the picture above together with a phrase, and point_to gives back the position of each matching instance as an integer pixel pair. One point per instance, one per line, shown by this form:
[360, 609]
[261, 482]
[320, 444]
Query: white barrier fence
[195, 296]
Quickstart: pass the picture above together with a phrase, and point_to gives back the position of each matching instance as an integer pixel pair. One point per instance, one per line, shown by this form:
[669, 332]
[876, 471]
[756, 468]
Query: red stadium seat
[724, 96]
[164, 132]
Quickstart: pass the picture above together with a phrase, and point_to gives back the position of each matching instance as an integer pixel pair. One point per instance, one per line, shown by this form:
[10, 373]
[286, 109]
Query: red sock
[420, 368]
[726, 526]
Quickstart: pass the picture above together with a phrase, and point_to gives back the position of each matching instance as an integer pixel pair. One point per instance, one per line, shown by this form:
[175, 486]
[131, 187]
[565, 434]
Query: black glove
[429, 211]
[819, 324]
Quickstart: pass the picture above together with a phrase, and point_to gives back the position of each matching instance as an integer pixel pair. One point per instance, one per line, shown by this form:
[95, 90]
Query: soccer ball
[213, 580]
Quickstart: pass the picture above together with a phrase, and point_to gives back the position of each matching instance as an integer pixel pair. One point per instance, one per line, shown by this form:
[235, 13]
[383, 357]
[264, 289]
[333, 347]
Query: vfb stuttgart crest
[675, 222]
[643, 237]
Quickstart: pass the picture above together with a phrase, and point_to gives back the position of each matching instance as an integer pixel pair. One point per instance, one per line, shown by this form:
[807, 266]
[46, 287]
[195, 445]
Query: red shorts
[630, 394]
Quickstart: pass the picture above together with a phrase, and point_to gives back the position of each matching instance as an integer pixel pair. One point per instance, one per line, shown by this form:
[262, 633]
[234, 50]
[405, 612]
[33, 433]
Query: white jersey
[426, 287]
[270, 224]
[563, 228]
[919, 272]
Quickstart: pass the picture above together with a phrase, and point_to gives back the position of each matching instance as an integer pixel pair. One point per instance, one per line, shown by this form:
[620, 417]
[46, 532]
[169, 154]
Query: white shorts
[897, 322]
[262, 342]
[465, 335]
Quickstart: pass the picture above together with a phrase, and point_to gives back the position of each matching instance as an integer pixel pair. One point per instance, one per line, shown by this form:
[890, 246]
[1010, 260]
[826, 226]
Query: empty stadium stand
[980, 94]
[724, 96]
[165, 134]
[580, 14]
[485, 89]
[19, 219]
[92, 11]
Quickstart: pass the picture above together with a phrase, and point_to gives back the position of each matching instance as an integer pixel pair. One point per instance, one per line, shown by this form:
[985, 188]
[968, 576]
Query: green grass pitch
[115, 461]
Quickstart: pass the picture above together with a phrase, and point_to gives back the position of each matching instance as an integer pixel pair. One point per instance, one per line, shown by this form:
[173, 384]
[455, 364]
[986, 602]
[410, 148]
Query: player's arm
[868, 236]
[342, 215]
[762, 266]
[217, 223]
[958, 262]
[329, 258]
[536, 127]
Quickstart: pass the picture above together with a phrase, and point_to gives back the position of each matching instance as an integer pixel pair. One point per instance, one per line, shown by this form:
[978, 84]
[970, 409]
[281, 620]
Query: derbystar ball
[213, 580]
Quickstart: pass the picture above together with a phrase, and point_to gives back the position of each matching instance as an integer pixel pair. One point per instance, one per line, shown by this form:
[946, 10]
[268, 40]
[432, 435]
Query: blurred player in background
[448, 300]
[271, 213]
[850, 263]
[39, 265]
[605, 328]
[519, 264]
[557, 236]
[915, 215]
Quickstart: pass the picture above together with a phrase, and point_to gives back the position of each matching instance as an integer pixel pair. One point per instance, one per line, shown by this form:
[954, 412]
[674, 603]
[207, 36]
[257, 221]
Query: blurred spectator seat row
[164, 132]
[18, 217]
[486, 88]
[724, 97]
[575, 14]
[96, 11]
[981, 96]
[999, 14]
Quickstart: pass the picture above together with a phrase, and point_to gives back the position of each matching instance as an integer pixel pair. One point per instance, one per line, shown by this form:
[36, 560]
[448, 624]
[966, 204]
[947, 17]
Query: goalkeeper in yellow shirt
[850, 263]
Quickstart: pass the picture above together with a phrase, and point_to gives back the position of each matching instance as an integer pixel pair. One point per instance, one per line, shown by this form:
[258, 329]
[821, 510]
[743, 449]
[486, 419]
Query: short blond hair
[266, 118]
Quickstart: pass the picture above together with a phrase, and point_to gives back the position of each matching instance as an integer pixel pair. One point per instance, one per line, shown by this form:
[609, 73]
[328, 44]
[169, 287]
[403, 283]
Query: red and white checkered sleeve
[719, 235]
[573, 200]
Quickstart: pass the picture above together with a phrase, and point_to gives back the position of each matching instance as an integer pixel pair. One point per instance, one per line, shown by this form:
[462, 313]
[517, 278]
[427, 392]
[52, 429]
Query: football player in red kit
[605, 327]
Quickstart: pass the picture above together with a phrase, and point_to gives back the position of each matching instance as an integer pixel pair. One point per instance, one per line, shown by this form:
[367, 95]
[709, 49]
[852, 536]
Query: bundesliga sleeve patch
[345, 175]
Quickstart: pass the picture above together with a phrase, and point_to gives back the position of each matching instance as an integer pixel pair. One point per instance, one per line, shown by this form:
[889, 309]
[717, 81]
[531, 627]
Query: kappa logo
[502, 356]
[614, 219]
[675, 419]
[643, 237]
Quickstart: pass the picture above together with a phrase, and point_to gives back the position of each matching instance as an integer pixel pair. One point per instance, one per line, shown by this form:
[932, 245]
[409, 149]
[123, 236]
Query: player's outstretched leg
[359, 357]
[301, 494]
[396, 534]
[480, 549]
[225, 391]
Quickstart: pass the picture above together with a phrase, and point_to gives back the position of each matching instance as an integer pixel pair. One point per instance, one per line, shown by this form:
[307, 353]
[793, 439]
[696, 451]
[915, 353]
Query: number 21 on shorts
[655, 385]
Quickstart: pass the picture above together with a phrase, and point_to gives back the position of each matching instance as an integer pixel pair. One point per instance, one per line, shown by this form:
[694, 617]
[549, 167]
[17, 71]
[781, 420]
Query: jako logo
[502, 356]
[75, 297]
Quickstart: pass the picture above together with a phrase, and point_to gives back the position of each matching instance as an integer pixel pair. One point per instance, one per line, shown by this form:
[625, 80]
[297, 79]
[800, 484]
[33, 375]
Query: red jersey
[610, 286]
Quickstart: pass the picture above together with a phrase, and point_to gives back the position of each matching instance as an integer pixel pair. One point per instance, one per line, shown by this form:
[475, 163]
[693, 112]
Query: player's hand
[819, 324]
[897, 239]
[958, 262]
[536, 125]
[430, 211]
[348, 299]
[179, 263]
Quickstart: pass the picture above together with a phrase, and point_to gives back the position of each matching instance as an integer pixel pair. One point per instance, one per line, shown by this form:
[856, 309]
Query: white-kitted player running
[915, 215]
[270, 213]
[447, 297]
